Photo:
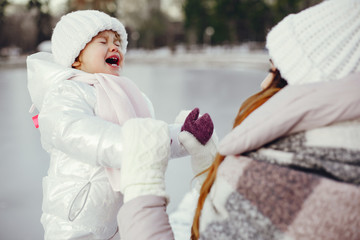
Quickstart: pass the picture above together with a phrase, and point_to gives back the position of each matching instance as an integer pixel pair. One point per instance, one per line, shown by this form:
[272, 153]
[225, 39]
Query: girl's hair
[246, 108]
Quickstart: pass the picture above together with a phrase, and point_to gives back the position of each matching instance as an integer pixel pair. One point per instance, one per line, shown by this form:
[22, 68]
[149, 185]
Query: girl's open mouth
[113, 61]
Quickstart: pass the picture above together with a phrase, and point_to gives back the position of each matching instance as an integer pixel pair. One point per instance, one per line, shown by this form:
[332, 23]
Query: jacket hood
[42, 73]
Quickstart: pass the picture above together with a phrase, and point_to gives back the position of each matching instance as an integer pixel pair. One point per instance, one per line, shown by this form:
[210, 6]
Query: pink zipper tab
[36, 121]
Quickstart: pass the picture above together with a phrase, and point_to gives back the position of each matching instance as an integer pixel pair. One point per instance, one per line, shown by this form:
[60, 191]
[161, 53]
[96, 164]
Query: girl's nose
[113, 47]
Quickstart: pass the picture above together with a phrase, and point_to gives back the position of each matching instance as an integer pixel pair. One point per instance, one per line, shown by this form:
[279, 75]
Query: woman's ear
[270, 77]
[267, 81]
[76, 64]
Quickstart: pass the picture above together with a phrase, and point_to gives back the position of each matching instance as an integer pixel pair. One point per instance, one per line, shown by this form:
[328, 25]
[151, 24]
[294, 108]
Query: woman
[290, 168]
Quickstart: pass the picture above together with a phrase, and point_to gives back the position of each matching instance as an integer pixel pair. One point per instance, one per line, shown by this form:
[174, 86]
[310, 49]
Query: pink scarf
[118, 99]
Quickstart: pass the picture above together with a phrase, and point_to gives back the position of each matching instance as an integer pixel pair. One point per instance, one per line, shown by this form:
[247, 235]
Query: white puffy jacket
[78, 201]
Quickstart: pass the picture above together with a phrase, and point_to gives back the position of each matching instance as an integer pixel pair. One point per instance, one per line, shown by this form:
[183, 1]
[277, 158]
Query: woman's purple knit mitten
[202, 128]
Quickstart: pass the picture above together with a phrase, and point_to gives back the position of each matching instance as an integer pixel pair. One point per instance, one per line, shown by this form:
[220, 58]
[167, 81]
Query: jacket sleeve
[295, 108]
[68, 124]
[145, 218]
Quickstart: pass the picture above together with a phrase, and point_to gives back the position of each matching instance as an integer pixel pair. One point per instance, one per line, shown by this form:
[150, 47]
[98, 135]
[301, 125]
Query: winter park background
[206, 63]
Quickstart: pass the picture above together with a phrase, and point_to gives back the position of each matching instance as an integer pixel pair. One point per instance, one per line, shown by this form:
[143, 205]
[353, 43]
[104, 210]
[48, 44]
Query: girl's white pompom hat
[321, 43]
[76, 29]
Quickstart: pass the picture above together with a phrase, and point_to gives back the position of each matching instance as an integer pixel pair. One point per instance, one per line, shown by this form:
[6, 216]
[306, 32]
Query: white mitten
[202, 156]
[177, 149]
[145, 157]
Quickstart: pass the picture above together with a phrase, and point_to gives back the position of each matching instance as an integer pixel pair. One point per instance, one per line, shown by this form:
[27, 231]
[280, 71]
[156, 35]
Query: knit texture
[76, 29]
[145, 157]
[202, 156]
[321, 43]
[202, 128]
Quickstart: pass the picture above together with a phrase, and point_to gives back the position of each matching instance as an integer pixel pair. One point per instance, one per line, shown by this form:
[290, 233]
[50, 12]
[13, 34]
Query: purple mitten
[202, 128]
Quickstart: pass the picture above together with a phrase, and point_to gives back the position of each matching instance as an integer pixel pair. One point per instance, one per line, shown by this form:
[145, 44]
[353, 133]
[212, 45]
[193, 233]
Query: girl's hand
[202, 128]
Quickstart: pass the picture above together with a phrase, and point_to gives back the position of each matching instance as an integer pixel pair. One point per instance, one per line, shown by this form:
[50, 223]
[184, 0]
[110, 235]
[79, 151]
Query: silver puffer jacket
[78, 201]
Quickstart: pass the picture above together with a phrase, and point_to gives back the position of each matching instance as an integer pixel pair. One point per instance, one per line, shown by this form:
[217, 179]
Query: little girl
[83, 103]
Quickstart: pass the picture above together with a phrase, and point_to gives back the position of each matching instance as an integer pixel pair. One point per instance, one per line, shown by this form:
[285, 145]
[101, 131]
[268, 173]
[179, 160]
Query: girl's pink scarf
[118, 99]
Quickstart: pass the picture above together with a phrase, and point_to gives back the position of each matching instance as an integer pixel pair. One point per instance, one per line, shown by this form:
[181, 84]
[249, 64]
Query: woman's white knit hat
[76, 29]
[321, 43]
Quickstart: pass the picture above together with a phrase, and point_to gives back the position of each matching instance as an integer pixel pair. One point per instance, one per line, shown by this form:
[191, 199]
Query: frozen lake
[217, 90]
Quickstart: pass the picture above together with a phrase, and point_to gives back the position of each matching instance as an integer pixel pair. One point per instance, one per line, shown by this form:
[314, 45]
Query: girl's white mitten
[202, 156]
[145, 157]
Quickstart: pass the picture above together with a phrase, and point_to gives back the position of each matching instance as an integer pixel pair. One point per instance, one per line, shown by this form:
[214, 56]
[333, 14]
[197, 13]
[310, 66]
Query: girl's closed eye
[102, 40]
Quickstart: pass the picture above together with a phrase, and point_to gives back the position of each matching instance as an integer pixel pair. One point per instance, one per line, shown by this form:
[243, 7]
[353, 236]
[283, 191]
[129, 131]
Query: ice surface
[215, 89]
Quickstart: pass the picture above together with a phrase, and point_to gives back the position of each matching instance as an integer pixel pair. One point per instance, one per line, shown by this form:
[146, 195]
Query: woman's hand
[145, 158]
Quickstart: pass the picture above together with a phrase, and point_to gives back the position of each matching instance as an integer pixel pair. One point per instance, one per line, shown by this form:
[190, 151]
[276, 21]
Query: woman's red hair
[251, 104]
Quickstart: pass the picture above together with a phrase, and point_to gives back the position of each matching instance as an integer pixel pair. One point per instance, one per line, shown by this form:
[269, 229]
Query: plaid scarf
[303, 186]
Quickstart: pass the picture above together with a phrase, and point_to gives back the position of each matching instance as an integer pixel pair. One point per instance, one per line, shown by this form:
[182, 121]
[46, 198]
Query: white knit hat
[321, 43]
[76, 29]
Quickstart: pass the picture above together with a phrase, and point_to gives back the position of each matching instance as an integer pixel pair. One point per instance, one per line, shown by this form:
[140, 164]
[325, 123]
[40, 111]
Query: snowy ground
[215, 80]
